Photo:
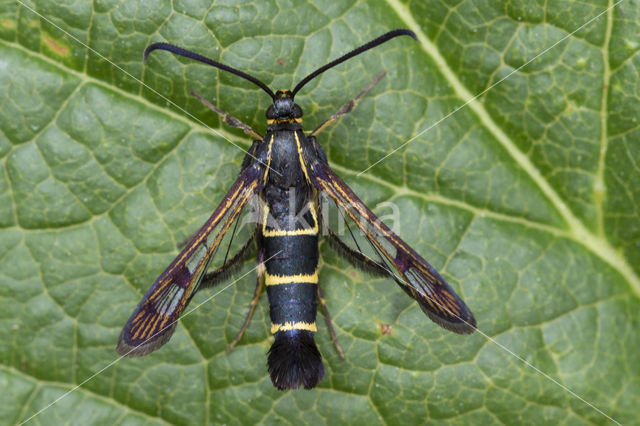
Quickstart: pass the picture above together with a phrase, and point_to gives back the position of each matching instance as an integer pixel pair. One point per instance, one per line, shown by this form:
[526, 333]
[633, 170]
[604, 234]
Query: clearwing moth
[288, 172]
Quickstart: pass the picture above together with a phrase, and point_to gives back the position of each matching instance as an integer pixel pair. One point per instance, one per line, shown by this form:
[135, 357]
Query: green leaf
[526, 197]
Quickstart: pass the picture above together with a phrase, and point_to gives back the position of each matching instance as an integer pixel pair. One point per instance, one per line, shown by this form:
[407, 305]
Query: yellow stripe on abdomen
[287, 326]
[275, 232]
[291, 279]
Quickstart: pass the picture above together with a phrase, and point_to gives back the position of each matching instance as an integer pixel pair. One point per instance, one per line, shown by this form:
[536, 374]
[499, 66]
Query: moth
[287, 171]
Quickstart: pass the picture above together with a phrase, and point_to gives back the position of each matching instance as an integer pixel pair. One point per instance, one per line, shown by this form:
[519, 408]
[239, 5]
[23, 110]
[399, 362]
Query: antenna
[192, 55]
[370, 45]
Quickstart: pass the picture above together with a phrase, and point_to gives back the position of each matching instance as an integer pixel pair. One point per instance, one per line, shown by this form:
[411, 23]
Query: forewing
[412, 273]
[155, 318]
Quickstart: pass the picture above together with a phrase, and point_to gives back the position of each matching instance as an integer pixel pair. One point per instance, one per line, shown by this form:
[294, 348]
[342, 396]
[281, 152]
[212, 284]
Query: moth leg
[348, 107]
[334, 338]
[184, 242]
[252, 308]
[228, 118]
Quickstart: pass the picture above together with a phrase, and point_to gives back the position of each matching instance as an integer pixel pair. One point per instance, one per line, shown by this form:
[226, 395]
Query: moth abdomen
[290, 243]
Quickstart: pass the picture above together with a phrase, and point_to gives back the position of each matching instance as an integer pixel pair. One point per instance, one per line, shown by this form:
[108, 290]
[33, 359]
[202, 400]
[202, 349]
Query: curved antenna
[192, 55]
[370, 45]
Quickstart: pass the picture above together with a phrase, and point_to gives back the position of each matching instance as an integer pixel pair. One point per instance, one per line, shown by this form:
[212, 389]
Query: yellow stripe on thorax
[300, 157]
[266, 171]
[309, 326]
[291, 279]
[284, 120]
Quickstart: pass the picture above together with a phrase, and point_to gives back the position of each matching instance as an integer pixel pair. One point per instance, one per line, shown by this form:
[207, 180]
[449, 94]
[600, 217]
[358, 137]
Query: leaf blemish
[56, 46]
[385, 329]
[8, 23]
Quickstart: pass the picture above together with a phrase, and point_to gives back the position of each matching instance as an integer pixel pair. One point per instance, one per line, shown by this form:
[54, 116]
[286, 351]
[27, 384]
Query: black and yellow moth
[288, 172]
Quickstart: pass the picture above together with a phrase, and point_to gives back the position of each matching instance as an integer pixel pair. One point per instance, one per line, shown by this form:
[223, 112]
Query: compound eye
[271, 113]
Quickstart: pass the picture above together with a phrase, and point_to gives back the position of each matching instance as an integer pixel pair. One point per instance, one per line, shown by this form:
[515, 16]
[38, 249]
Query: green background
[527, 200]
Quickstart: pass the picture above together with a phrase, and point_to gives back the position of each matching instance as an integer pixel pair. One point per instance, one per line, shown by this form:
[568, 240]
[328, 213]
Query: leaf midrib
[599, 187]
[577, 230]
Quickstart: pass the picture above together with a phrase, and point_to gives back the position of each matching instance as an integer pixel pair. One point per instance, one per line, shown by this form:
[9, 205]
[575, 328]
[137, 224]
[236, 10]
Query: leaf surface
[526, 197]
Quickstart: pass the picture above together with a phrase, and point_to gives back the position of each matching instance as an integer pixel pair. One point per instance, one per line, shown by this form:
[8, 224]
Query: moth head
[283, 106]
